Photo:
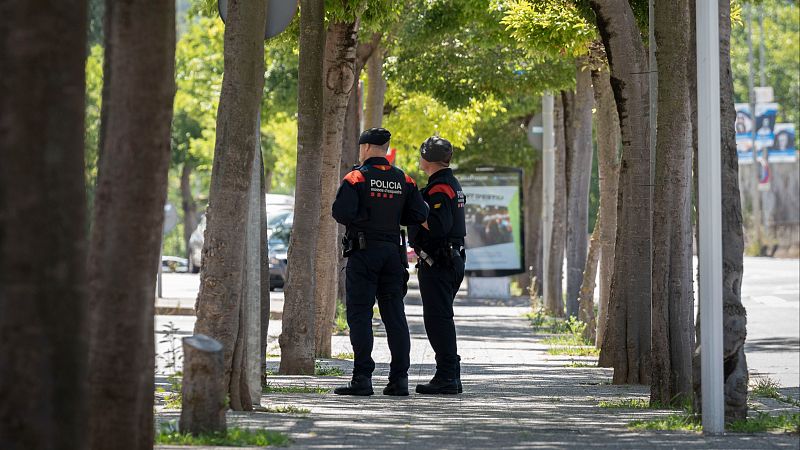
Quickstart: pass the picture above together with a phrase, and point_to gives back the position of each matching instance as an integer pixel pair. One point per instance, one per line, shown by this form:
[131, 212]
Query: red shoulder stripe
[355, 177]
[444, 189]
[410, 180]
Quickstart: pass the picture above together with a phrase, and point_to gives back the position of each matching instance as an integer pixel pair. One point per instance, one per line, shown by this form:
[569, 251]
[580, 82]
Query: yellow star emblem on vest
[437, 206]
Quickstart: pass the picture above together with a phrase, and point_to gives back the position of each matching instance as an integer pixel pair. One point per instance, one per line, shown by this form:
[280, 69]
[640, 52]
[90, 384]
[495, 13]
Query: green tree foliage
[781, 55]
[555, 28]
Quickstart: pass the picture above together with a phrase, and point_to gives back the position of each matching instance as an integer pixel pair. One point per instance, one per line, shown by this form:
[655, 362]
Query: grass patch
[345, 356]
[234, 437]
[287, 409]
[173, 397]
[322, 370]
[566, 340]
[628, 403]
[674, 422]
[304, 389]
[767, 387]
[340, 327]
[574, 351]
[577, 364]
[787, 423]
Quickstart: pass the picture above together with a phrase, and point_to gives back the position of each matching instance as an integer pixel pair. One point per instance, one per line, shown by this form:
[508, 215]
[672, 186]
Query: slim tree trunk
[298, 327]
[586, 304]
[376, 89]
[128, 216]
[532, 186]
[626, 344]
[339, 70]
[43, 343]
[608, 167]
[673, 294]
[188, 204]
[264, 303]
[352, 129]
[734, 314]
[579, 174]
[554, 304]
[221, 301]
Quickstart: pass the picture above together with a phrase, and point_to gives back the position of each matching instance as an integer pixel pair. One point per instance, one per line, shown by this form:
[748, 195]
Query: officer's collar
[376, 161]
[440, 173]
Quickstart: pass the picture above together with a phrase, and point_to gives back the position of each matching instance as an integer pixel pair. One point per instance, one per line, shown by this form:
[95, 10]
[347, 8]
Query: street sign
[279, 15]
[170, 218]
[535, 132]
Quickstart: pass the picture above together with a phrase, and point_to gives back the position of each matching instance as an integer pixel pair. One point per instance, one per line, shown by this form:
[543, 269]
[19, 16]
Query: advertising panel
[494, 240]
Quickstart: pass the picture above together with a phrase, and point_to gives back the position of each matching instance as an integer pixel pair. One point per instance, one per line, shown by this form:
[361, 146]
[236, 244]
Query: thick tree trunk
[221, 302]
[128, 217]
[554, 303]
[202, 394]
[672, 295]
[532, 188]
[43, 225]
[586, 306]
[734, 315]
[579, 173]
[264, 303]
[339, 70]
[298, 327]
[608, 168]
[376, 89]
[626, 344]
[188, 205]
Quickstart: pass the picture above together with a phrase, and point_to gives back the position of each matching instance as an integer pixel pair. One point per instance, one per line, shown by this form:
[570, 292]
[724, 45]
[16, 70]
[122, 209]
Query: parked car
[174, 264]
[279, 208]
[278, 248]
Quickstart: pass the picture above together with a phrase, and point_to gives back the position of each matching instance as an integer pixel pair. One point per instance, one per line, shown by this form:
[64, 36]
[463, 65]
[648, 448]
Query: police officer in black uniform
[373, 200]
[439, 243]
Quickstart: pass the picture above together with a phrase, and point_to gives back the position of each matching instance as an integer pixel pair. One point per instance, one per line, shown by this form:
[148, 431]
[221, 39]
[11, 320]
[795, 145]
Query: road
[770, 293]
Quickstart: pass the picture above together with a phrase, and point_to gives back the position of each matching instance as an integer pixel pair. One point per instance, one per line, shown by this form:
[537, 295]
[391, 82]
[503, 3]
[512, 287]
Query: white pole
[549, 185]
[710, 205]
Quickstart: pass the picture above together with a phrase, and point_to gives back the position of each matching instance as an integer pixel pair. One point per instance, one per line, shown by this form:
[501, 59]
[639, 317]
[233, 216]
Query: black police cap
[436, 149]
[375, 136]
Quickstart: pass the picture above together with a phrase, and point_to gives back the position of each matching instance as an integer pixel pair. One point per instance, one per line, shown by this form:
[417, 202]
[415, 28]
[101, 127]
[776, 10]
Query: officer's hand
[425, 225]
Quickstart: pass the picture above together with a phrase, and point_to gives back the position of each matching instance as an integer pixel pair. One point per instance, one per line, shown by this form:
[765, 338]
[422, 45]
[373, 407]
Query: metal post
[548, 185]
[710, 205]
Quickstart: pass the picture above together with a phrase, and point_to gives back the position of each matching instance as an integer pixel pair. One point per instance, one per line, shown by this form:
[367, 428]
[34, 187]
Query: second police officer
[439, 242]
[373, 200]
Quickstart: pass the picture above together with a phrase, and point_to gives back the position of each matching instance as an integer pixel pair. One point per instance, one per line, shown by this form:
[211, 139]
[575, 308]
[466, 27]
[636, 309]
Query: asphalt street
[770, 293]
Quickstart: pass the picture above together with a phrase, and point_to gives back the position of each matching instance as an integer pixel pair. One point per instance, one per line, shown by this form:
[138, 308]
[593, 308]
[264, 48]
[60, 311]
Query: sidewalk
[515, 396]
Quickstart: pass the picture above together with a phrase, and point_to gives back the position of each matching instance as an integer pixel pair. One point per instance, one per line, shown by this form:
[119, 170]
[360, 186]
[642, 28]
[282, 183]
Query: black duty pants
[438, 285]
[377, 271]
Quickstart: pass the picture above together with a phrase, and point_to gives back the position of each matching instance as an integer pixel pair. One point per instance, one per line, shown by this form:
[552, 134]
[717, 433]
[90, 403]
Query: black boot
[398, 387]
[436, 386]
[360, 385]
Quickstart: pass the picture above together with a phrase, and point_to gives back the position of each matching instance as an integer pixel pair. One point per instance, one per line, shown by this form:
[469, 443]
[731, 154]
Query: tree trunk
[339, 70]
[673, 294]
[608, 167]
[202, 392]
[532, 188]
[579, 174]
[298, 328]
[189, 206]
[221, 302]
[733, 312]
[264, 303]
[586, 310]
[554, 303]
[626, 344]
[352, 129]
[376, 89]
[128, 218]
[43, 225]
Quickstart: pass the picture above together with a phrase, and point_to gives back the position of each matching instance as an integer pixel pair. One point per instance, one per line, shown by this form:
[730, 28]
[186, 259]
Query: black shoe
[358, 386]
[398, 387]
[439, 386]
